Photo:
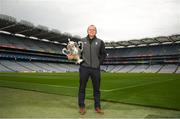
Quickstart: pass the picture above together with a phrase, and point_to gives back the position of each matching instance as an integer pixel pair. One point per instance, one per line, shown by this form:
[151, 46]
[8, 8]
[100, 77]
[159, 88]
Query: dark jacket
[93, 52]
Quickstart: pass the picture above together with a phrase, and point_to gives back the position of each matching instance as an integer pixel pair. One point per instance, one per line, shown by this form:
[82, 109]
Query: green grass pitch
[156, 90]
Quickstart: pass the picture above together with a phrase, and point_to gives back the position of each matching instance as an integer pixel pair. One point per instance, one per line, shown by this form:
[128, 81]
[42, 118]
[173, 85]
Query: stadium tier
[39, 56]
[29, 44]
[158, 50]
[28, 48]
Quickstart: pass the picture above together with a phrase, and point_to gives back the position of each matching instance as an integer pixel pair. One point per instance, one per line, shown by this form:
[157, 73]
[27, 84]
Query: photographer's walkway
[21, 103]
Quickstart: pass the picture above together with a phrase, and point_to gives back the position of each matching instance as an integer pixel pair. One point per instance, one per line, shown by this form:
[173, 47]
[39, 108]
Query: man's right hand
[70, 57]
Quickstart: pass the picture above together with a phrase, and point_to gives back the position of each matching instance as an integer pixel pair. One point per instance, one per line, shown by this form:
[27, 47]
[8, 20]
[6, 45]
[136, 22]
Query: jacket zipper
[90, 55]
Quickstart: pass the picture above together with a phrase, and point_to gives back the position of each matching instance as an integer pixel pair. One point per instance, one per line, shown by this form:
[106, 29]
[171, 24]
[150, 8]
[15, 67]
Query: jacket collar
[89, 38]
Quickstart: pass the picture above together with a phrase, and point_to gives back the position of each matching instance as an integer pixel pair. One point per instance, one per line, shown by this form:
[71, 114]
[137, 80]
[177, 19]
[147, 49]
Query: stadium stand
[150, 55]
[28, 48]
[139, 68]
[153, 69]
[14, 66]
[168, 68]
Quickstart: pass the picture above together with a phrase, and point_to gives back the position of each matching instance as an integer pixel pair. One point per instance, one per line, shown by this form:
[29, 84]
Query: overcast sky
[116, 20]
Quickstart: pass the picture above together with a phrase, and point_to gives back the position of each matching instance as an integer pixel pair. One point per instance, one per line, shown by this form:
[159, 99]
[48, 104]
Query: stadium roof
[11, 25]
[145, 42]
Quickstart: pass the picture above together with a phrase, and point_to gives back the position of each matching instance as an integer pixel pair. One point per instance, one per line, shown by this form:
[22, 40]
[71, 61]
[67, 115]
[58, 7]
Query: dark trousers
[85, 73]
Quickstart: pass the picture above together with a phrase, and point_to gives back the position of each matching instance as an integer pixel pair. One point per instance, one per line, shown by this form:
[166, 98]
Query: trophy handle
[64, 51]
[80, 44]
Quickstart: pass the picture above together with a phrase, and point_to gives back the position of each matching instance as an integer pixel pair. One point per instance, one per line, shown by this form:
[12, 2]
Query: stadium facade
[28, 48]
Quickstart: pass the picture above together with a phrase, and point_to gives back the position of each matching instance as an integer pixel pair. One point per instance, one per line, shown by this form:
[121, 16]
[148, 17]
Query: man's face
[91, 31]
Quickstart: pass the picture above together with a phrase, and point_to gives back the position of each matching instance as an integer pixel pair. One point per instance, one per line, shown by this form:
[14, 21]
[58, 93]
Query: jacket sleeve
[102, 54]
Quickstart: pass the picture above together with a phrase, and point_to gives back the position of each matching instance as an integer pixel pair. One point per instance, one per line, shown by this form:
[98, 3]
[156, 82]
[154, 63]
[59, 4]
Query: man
[93, 55]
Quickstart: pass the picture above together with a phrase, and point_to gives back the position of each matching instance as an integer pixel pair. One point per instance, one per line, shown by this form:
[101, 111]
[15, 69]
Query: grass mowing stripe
[39, 87]
[42, 84]
[56, 89]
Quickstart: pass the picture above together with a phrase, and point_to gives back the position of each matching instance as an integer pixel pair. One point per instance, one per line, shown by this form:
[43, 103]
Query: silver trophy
[74, 49]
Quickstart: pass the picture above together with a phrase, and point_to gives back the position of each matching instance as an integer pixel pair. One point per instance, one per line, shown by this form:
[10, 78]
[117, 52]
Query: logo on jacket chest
[95, 44]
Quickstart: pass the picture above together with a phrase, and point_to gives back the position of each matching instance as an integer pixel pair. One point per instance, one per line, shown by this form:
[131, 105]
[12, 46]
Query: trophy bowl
[74, 49]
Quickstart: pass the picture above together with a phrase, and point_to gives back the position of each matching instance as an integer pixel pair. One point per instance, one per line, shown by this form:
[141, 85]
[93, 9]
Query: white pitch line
[115, 89]
[110, 90]
[46, 85]
[64, 86]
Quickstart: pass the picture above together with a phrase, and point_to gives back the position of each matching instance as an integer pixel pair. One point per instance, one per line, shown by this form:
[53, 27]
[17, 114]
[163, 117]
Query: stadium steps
[126, 68]
[115, 69]
[106, 67]
[120, 68]
[160, 69]
[168, 68]
[131, 69]
[19, 67]
[31, 66]
[54, 68]
[66, 67]
[54, 65]
[110, 68]
[43, 69]
[147, 66]
[47, 67]
[145, 69]
[73, 68]
[24, 66]
[7, 67]
[4, 69]
[176, 69]
[139, 69]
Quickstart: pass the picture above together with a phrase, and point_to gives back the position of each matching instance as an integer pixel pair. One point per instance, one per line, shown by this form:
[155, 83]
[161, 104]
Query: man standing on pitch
[93, 55]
